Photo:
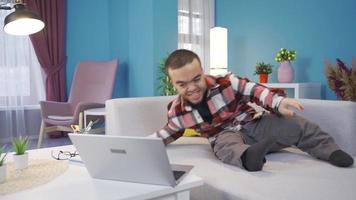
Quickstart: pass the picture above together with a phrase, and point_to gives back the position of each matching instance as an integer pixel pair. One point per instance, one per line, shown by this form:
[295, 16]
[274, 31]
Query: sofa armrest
[136, 116]
[334, 117]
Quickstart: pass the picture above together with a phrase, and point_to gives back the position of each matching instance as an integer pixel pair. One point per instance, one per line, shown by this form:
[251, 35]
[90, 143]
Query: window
[195, 18]
[21, 81]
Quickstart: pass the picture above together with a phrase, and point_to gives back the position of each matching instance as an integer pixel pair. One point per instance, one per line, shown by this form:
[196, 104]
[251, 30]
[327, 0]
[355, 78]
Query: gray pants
[288, 131]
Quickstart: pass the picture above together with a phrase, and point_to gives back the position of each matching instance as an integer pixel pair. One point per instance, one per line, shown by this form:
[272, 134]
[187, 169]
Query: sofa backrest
[136, 116]
[144, 115]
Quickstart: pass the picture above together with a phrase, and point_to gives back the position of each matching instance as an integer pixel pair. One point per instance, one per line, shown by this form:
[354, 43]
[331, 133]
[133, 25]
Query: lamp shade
[22, 22]
[218, 49]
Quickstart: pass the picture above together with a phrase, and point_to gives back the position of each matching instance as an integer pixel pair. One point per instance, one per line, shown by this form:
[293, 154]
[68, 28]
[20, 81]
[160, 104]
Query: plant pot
[21, 161]
[285, 72]
[263, 78]
[2, 173]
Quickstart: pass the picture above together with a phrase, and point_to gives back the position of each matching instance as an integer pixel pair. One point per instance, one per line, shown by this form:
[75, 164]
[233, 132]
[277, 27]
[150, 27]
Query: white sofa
[289, 174]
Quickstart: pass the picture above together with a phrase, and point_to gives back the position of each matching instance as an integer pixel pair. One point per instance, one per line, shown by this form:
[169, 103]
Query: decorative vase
[2, 173]
[21, 161]
[263, 78]
[285, 72]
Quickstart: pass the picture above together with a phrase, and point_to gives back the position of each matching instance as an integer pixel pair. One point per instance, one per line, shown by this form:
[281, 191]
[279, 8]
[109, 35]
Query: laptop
[125, 158]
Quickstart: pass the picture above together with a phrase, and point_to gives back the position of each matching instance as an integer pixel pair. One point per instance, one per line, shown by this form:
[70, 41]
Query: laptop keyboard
[178, 174]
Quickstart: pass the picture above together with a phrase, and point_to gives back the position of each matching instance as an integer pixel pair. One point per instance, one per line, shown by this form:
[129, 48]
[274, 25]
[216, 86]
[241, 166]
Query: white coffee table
[76, 183]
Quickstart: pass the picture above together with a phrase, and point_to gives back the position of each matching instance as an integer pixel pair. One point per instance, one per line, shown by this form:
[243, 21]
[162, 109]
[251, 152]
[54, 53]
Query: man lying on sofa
[217, 108]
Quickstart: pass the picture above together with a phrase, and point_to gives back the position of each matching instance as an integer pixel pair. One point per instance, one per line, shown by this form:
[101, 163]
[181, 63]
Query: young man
[217, 108]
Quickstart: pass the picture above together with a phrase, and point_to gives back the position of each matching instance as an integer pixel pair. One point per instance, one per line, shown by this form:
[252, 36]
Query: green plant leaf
[263, 68]
[19, 145]
[165, 87]
[2, 155]
[285, 55]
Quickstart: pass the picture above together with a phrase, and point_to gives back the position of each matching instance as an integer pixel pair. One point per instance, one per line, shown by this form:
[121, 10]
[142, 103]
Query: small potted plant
[263, 69]
[285, 70]
[285, 55]
[19, 145]
[2, 164]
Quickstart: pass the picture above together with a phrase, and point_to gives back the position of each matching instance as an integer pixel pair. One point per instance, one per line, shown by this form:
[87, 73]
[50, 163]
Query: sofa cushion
[289, 174]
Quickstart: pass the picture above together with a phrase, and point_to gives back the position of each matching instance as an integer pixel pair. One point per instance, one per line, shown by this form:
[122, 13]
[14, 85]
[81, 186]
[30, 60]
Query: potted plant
[165, 85]
[19, 145]
[2, 164]
[285, 70]
[263, 69]
[342, 79]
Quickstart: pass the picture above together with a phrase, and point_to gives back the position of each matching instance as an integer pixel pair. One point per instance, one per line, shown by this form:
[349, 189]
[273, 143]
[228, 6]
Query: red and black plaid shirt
[227, 99]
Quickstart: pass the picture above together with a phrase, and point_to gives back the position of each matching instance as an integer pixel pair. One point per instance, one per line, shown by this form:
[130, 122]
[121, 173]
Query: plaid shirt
[227, 99]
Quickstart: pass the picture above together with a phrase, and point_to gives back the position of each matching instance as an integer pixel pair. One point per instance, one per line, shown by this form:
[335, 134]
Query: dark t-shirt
[203, 110]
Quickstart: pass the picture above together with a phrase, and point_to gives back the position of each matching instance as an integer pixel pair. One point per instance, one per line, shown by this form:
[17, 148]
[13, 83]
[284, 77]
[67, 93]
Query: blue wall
[119, 44]
[138, 32]
[141, 32]
[317, 30]
[141, 48]
[165, 32]
[87, 34]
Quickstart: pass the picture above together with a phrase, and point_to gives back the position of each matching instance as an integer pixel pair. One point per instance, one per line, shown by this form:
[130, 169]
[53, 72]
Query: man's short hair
[179, 58]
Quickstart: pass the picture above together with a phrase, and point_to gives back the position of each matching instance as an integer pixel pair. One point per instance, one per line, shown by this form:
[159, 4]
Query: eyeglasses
[64, 155]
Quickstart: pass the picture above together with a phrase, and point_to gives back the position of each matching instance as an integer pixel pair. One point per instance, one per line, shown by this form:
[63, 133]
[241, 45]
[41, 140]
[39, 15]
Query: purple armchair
[92, 85]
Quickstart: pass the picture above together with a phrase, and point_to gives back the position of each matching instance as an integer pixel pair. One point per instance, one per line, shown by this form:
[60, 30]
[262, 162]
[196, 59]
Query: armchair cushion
[55, 108]
[60, 118]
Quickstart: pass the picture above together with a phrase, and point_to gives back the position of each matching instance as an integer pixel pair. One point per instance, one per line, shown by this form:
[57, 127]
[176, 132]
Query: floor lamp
[218, 50]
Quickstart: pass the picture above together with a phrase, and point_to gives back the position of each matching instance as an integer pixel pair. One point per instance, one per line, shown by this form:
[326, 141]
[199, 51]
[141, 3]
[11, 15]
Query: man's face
[189, 81]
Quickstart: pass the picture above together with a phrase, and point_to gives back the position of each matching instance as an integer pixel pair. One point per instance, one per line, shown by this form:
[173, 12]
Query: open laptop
[124, 158]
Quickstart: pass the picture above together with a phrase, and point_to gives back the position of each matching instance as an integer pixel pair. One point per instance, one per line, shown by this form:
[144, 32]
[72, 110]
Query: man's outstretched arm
[286, 104]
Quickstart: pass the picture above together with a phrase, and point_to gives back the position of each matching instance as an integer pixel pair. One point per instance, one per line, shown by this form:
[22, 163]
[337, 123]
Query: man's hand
[286, 103]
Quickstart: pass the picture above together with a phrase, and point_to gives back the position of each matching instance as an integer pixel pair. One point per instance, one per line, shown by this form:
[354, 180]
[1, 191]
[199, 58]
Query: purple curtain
[49, 45]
